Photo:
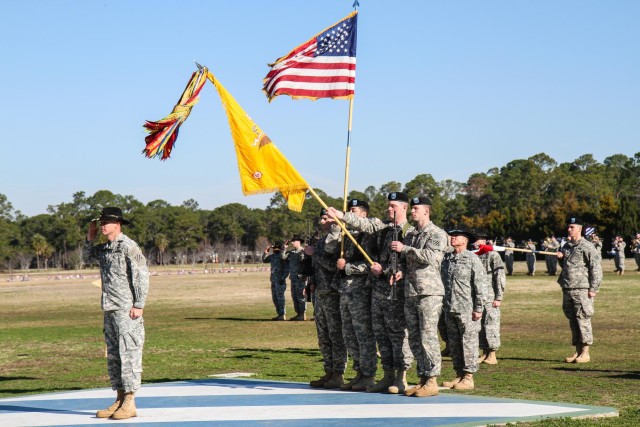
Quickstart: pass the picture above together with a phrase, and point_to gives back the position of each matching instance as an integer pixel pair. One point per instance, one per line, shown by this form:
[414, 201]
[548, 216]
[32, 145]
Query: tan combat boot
[127, 409]
[429, 389]
[466, 383]
[483, 356]
[364, 384]
[400, 384]
[490, 358]
[456, 380]
[348, 385]
[106, 413]
[584, 355]
[320, 382]
[384, 384]
[412, 390]
[572, 359]
[336, 381]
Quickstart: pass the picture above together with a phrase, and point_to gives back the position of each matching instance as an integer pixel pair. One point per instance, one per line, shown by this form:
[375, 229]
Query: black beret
[575, 220]
[323, 212]
[277, 245]
[298, 238]
[460, 231]
[398, 196]
[420, 200]
[358, 203]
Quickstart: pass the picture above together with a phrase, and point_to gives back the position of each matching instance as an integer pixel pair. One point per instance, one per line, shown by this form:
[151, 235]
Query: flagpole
[346, 167]
[342, 226]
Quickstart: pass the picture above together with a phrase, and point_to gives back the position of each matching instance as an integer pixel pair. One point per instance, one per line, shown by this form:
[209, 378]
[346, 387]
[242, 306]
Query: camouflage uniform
[278, 278]
[327, 306]
[551, 245]
[490, 330]
[531, 259]
[421, 257]
[636, 252]
[581, 273]
[465, 283]
[355, 303]
[508, 257]
[125, 284]
[295, 259]
[389, 324]
[619, 257]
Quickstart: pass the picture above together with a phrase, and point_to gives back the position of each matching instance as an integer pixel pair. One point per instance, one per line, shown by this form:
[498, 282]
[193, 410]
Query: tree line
[525, 199]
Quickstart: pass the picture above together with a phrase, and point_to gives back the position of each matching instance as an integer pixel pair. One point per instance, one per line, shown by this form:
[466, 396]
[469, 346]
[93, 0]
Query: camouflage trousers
[578, 308]
[390, 330]
[329, 329]
[619, 262]
[552, 263]
[357, 330]
[531, 263]
[422, 313]
[636, 256]
[124, 338]
[297, 295]
[463, 341]
[490, 328]
[508, 262]
[442, 327]
[278, 288]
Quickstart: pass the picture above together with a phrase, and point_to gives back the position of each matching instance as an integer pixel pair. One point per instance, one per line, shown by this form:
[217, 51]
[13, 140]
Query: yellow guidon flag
[263, 168]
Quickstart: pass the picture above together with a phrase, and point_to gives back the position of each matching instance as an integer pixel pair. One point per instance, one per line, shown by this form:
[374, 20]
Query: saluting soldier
[125, 285]
[508, 255]
[618, 247]
[295, 258]
[580, 280]
[274, 256]
[531, 258]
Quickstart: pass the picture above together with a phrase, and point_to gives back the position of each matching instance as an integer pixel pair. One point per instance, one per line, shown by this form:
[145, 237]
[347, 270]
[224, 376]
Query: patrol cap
[420, 200]
[358, 203]
[323, 212]
[112, 214]
[398, 196]
[575, 220]
[298, 238]
[461, 231]
[480, 234]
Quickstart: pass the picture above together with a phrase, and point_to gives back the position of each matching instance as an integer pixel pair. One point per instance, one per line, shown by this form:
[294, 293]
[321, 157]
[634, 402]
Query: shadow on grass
[242, 319]
[303, 351]
[17, 378]
[527, 359]
[629, 375]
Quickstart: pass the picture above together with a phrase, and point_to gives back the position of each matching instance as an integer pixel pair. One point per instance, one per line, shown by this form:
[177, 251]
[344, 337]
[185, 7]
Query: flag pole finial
[356, 3]
[200, 67]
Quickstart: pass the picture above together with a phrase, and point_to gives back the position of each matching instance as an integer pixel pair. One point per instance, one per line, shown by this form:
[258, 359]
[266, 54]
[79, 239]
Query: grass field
[203, 324]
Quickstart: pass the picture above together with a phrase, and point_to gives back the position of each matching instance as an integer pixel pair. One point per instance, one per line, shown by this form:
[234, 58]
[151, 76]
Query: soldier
[295, 258]
[508, 255]
[636, 250]
[355, 301]
[422, 250]
[278, 278]
[327, 308]
[465, 283]
[490, 327]
[125, 284]
[531, 258]
[387, 304]
[551, 244]
[580, 280]
[618, 257]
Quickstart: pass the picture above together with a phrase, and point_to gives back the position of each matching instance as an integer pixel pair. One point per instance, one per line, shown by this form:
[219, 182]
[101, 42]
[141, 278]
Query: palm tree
[39, 245]
[161, 242]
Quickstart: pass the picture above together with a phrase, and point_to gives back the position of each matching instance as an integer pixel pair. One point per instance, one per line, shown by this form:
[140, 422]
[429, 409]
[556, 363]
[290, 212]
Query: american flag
[322, 67]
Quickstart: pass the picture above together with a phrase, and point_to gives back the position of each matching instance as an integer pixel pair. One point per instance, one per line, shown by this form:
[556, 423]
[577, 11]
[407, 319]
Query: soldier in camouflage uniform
[508, 255]
[355, 301]
[125, 284]
[490, 329]
[465, 283]
[580, 280]
[636, 250]
[327, 307]
[531, 258]
[279, 272]
[421, 252]
[618, 248]
[295, 258]
[551, 244]
[389, 324]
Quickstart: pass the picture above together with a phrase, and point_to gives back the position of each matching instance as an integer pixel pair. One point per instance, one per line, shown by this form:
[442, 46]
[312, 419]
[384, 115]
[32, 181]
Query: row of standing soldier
[435, 278]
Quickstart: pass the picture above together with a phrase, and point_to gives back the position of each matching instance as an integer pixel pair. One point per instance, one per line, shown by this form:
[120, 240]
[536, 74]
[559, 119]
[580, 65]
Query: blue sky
[445, 88]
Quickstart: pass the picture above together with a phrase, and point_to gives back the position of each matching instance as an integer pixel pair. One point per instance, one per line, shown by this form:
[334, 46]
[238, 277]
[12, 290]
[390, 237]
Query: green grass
[199, 325]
